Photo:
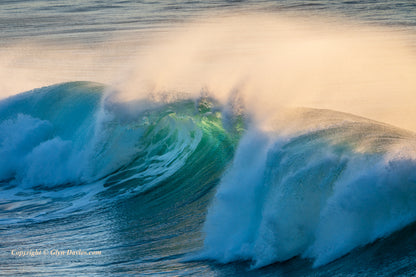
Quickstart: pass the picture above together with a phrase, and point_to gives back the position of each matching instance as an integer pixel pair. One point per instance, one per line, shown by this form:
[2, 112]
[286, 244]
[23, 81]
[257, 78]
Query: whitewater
[225, 139]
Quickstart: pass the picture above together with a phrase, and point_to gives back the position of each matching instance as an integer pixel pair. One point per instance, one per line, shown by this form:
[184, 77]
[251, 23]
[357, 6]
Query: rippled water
[188, 185]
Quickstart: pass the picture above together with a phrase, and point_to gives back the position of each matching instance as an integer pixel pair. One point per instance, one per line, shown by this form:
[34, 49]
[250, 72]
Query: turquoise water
[189, 184]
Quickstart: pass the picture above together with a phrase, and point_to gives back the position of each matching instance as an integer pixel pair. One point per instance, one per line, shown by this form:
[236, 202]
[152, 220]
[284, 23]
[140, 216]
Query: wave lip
[317, 193]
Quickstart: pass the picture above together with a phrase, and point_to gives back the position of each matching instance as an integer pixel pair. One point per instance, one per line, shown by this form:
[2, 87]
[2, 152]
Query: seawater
[180, 163]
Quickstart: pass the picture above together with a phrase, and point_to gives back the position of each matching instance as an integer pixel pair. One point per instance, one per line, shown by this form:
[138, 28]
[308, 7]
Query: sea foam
[317, 193]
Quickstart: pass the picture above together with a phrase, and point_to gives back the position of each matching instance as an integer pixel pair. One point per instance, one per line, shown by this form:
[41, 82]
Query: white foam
[317, 194]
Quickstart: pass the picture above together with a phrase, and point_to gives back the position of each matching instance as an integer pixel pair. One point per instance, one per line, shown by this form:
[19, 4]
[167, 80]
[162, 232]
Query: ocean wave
[316, 192]
[75, 133]
[315, 184]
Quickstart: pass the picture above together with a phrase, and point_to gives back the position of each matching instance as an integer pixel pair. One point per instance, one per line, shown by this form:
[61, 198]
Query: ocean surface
[207, 138]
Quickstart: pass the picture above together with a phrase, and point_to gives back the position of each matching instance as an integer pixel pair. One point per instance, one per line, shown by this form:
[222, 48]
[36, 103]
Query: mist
[272, 63]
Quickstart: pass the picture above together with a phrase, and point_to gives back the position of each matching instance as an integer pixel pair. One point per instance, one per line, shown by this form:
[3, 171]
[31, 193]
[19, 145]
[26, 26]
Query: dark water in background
[91, 21]
[138, 189]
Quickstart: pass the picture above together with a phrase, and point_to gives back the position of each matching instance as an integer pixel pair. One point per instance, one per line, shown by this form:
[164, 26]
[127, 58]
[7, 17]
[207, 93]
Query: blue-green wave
[192, 177]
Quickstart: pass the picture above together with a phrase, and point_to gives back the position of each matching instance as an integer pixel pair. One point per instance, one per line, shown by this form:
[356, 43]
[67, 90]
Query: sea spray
[273, 61]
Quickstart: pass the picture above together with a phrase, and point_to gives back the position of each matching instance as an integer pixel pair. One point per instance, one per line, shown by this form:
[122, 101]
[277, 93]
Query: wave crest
[318, 193]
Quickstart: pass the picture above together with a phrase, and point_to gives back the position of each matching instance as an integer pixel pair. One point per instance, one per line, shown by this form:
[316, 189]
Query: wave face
[82, 171]
[70, 133]
[316, 193]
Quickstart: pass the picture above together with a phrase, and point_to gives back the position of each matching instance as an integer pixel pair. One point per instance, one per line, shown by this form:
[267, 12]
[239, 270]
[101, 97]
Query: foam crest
[316, 193]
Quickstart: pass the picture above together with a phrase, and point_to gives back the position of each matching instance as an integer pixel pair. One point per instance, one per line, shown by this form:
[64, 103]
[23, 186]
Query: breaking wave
[317, 193]
[317, 186]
